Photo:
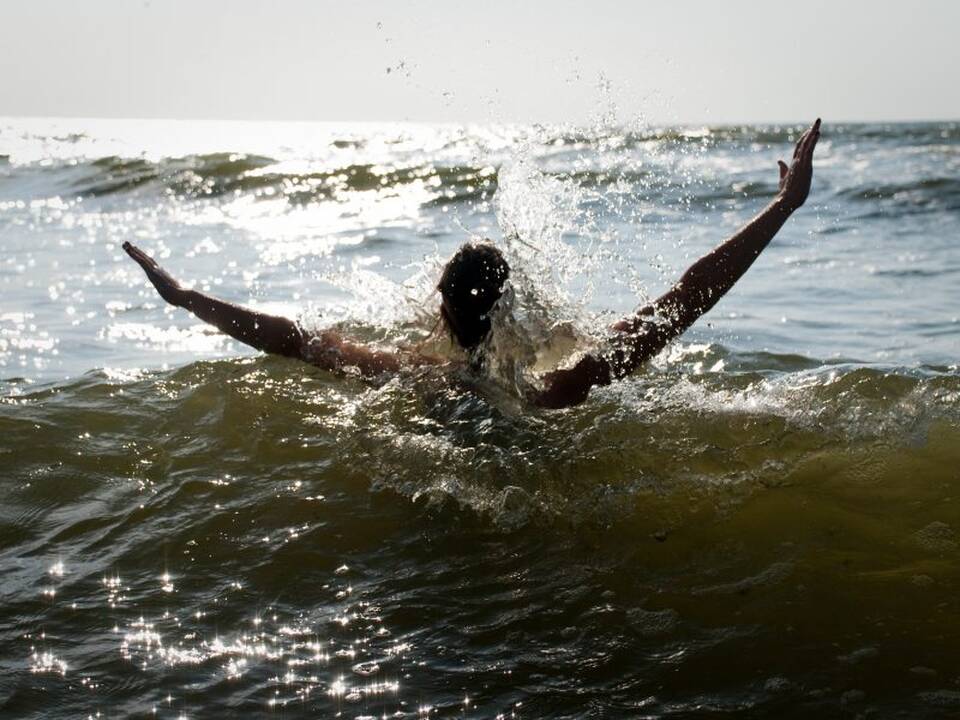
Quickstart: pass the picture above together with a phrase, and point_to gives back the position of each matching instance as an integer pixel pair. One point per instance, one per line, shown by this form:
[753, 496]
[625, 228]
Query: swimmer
[473, 281]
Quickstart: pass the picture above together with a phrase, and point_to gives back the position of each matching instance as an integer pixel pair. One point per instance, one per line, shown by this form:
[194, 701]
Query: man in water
[472, 282]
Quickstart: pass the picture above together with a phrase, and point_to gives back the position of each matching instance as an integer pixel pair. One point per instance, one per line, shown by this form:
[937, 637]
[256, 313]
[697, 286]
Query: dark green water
[239, 535]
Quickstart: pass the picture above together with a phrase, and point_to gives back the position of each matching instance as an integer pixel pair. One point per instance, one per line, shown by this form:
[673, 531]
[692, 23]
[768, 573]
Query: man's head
[471, 284]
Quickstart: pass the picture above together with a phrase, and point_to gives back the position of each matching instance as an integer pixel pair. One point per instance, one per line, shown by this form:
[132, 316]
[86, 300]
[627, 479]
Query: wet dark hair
[471, 284]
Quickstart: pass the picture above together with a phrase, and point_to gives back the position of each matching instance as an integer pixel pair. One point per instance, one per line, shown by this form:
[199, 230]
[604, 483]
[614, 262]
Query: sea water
[765, 519]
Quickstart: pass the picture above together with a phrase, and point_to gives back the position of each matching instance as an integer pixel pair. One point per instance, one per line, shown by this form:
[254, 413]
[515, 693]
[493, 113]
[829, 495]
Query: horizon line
[355, 121]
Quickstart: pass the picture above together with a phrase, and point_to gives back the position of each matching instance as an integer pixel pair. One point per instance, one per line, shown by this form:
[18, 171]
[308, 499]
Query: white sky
[486, 60]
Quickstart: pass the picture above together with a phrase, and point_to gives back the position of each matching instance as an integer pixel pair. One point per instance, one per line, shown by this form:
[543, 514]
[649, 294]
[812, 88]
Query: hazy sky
[484, 60]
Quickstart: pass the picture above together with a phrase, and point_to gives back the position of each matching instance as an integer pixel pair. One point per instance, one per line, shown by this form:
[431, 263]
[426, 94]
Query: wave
[922, 195]
[563, 153]
[218, 175]
[224, 175]
[672, 431]
[257, 510]
[771, 134]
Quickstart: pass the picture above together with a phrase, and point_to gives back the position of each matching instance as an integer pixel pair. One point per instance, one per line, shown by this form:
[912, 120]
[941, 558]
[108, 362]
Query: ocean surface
[762, 522]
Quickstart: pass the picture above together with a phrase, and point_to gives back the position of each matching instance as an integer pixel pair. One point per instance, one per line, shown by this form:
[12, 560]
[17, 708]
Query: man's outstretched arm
[646, 333]
[270, 333]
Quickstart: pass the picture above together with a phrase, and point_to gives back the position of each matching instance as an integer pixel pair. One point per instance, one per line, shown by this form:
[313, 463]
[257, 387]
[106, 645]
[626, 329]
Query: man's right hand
[169, 289]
